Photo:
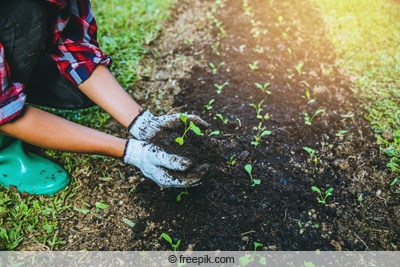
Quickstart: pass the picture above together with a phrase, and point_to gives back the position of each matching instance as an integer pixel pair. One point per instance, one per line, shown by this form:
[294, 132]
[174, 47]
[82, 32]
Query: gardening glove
[146, 125]
[152, 161]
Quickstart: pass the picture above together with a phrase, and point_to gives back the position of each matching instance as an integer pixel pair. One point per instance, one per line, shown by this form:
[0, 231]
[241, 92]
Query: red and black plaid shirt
[73, 46]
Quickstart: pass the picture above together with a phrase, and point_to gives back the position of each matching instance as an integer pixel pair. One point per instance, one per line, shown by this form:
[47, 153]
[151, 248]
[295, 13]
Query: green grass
[366, 34]
[125, 28]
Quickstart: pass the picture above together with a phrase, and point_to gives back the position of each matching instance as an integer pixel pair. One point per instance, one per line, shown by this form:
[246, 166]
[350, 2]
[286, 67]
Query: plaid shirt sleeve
[12, 96]
[74, 45]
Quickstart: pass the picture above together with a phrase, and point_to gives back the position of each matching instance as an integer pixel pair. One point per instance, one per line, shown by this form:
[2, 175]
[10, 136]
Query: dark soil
[226, 212]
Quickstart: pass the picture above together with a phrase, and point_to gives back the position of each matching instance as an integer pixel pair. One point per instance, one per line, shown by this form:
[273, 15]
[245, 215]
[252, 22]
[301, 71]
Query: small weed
[220, 87]
[322, 198]
[167, 238]
[249, 170]
[308, 120]
[191, 126]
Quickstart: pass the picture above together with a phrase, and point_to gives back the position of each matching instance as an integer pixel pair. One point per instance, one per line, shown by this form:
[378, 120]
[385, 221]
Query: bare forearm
[46, 130]
[104, 90]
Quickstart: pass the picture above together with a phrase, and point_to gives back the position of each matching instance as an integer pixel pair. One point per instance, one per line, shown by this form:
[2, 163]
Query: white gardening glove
[152, 161]
[146, 125]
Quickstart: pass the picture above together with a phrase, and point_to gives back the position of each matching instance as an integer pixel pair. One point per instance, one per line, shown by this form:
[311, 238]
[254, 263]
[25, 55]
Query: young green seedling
[258, 109]
[216, 132]
[209, 105]
[311, 152]
[231, 161]
[263, 87]
[220, 87]
[308, 97]
[254, 65]
[249, 170]
[322, 198]
[257, 137]
[191, 126]
[216, 68]
[299, 67]
[224, 120]
[308, 119]
[250, 258]
[179, 196]
[169, 240]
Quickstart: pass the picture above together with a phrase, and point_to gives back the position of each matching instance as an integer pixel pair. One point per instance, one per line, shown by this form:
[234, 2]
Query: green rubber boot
[29, 172]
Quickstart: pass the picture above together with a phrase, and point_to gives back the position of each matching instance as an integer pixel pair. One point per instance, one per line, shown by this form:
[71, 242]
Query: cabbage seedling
[249, 170]
[191, 126]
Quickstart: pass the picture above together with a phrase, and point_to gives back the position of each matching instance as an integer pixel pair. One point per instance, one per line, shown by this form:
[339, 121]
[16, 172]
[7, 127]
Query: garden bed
[272, 70]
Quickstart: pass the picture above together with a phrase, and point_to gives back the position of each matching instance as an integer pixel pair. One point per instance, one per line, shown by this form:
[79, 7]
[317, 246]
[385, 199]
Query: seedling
[231, 161]
[258, 109]
[254, 65]
[299, 67]
[322, 198]
[250, 258]
[209, 106]
[220, 87]
[214, 68]
[214, 133]
[311, 152]
[224, 120]
[249, 170]
[169, 240]
[191, 126]
[308, 97]
[263, 87]
[215, 48]
[308, 119]
[257, 137]
[179, 196]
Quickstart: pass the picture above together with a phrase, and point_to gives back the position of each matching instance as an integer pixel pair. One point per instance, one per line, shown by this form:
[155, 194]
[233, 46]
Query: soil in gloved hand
[202, 151]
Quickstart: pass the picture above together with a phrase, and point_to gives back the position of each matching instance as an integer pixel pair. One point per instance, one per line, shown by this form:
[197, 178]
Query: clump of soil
[201, 150]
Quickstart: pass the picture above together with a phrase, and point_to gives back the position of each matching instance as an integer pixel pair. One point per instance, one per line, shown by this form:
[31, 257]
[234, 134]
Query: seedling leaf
[179, 140]
[195, 129]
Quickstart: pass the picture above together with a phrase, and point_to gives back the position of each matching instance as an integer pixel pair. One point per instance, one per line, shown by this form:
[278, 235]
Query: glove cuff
[132, 152]
[136, 118]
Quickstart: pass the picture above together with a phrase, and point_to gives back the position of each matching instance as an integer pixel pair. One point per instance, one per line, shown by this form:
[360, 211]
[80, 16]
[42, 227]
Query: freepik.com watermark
[205, 259]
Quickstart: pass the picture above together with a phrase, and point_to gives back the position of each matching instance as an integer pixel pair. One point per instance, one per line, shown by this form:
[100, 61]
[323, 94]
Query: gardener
[49, 56]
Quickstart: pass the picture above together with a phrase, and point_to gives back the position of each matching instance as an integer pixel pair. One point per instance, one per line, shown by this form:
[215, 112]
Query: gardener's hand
[152, 161]
[146, 125]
